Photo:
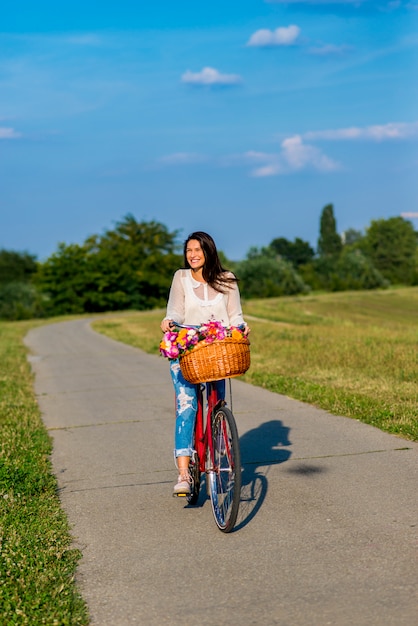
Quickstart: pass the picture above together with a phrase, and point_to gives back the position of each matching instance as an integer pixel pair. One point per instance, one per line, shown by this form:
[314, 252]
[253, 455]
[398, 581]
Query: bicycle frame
[203, 427]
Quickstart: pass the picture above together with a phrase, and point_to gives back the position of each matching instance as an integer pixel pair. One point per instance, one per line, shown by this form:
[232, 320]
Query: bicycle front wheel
[224, 471]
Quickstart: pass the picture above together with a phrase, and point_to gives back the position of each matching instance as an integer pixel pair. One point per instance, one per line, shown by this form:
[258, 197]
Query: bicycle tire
[225, 475]
[194, 471]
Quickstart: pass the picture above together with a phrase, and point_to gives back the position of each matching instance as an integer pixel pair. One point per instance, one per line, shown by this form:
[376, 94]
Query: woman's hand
[247, 330]
[166, 325]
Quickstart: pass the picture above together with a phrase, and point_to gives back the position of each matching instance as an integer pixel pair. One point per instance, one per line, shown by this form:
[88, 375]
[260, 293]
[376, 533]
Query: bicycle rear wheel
[225, 475]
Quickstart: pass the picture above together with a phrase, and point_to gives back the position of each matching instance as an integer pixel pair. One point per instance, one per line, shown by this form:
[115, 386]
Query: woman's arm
[175, 304]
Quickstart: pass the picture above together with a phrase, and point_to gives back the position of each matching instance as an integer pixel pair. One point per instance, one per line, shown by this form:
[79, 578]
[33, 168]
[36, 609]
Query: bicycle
[217, 455]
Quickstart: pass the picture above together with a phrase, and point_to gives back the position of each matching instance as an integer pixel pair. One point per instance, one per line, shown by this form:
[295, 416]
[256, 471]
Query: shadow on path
[261, 447]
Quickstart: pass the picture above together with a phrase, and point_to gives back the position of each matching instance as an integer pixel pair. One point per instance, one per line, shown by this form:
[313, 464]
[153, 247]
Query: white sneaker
[182, 487]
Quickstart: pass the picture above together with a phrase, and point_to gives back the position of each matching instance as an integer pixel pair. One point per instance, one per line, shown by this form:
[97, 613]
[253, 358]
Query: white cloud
[267, 164]
[271, 169]
[282, 36]
[210, 76]
[392, 130]
[299, 155]
[9, 133]
[294, 156]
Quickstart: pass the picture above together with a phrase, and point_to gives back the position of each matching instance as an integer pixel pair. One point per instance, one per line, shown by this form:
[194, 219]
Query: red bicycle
[216, 445]
[216, 454]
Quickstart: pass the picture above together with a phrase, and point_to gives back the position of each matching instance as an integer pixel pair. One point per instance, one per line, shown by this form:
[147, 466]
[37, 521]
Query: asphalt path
[327, 529]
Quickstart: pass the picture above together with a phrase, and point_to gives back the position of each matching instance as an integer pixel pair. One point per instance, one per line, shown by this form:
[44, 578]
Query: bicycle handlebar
[183, 325]
[199, 326]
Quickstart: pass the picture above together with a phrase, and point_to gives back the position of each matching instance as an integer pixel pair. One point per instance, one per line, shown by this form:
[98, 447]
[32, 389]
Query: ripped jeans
[186, 409]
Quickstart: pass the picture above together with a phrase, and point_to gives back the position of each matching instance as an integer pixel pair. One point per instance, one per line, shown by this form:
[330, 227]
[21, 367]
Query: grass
[352, 353]
[37, 561]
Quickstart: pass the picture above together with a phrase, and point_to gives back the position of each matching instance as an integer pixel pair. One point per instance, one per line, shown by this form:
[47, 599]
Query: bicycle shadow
[260, 447]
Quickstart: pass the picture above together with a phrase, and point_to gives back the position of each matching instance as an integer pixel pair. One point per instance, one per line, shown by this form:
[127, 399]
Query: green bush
[265, 275]
[16, 266]
[391, 244]
[355, 271]
[352, 270]
[20, 301]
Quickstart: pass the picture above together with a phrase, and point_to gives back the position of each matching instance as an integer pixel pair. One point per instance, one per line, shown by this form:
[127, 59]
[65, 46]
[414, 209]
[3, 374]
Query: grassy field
[37, 562]
[352, 353]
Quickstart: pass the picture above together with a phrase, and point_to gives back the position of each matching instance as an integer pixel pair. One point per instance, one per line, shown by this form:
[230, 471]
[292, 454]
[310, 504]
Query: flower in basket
[168, 345]
[237, 333]
[177, 342]
[213, 331]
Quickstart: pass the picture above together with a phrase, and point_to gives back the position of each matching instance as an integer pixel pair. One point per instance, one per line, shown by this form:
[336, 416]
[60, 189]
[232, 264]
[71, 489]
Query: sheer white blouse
[194, 303]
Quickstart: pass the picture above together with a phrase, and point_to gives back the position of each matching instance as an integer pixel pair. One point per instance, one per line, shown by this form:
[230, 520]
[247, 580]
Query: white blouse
[194, 303]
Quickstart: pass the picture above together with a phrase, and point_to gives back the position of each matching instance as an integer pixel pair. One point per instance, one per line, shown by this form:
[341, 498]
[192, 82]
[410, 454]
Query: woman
[202, 292]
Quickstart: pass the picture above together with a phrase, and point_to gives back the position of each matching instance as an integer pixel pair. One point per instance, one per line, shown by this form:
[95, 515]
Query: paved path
[328, 520]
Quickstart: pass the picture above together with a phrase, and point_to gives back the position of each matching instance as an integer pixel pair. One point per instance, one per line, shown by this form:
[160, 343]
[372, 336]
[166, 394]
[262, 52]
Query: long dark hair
[213, 273]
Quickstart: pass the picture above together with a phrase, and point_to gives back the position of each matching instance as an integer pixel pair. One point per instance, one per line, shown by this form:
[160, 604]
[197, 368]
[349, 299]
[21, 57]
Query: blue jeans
[186, 409]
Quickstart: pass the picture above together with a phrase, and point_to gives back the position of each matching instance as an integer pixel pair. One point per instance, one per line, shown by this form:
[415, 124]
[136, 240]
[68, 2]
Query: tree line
[131, 267]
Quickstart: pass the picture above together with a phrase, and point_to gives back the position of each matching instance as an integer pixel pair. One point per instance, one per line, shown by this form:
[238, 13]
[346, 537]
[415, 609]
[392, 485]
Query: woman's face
[194, 255]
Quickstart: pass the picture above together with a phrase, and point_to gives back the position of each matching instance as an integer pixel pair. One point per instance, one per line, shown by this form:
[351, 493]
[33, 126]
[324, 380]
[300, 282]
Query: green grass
[37, 560]
[352, 353]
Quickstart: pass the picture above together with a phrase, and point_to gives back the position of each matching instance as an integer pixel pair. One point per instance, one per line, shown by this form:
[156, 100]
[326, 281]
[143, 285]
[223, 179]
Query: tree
[16, 266]
[64, 279]
[135, 263]
[354, 270]
[19, 298]
[329, 242]
[20, 301]
[392, 246]
[263, 274]
[129, 267]
[351, 236]
[298, 252]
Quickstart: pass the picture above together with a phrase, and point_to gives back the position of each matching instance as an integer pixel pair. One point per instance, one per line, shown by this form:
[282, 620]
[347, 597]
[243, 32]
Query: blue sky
[243, 119]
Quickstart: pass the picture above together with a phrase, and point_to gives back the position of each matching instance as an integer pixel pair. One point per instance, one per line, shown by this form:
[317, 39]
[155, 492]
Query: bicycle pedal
[180, 495]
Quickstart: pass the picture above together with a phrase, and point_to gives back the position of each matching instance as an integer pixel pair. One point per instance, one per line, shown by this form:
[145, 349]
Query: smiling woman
[202, 292]
[195, 256]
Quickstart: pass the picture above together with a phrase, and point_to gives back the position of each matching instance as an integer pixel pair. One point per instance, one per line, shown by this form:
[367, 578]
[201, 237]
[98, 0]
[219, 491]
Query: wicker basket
[224, 358]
